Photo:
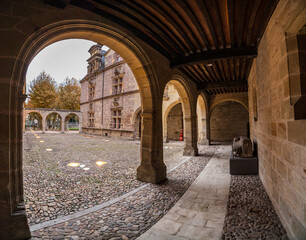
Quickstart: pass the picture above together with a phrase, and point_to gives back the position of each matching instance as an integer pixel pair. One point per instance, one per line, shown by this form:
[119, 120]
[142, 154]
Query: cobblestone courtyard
[53, 189]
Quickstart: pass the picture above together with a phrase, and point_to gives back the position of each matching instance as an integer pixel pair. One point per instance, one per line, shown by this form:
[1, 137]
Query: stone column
[80, 123]
[152, 168]
[23, 121]
[20, 126]
[203, 133]
[12, 214]
[208, 127]
[43, 124]
[62, 124]
[190, 136]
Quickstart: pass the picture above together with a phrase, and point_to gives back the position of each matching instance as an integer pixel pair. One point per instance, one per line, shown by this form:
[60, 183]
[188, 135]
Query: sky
[62, 59]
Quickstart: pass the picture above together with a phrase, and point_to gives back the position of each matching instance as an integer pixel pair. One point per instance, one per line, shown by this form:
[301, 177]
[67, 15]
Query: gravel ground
[54, 189]
[250, 213]
[132, 216]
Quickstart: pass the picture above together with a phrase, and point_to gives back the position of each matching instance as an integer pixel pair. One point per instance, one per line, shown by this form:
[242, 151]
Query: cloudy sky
[62, 59]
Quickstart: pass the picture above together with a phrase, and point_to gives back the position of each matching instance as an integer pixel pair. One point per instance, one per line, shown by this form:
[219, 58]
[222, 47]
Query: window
[91, 92]
[118, 58]
[116, 119]
[91, 119]
[91, 107]
[118, 85]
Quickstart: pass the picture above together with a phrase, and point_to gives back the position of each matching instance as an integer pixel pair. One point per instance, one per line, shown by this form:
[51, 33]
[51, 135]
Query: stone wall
[175, 122]
[228, 120]
[281, 139]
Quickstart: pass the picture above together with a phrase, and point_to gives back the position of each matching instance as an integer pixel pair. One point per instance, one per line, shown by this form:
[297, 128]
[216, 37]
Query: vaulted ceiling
[214, 42]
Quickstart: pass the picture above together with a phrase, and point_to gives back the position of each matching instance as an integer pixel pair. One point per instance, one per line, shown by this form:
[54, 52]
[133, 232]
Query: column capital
[22, 97]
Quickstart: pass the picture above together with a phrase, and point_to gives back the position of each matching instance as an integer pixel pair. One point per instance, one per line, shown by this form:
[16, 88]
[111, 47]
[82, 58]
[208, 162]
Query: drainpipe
[102, 102]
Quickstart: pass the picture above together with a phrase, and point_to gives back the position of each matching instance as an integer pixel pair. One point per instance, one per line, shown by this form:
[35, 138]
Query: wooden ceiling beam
[224, 85]
[214, 55]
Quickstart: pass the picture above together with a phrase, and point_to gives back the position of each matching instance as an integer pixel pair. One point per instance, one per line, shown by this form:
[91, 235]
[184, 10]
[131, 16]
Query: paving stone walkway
[133, 215]
[200, 213]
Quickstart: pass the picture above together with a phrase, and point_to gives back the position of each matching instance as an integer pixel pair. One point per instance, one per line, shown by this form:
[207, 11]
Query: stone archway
[189, 115]
[71, 121]
[228, 119]
[165, 118]
[54, 122]
[136, 120]
[174, 120]
[241, 98]
[30, 123]
[151, 169]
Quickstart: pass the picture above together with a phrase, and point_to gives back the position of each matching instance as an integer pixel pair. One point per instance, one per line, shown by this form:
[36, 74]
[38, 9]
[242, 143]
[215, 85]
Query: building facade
[110, 99]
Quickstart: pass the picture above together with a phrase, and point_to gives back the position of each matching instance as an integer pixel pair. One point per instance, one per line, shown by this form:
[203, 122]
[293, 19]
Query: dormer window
[118, 58]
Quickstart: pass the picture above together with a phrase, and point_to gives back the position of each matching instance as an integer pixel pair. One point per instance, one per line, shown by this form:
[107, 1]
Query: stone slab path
[200, 213]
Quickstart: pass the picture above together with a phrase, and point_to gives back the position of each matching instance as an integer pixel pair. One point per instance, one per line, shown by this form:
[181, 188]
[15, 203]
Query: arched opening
[72, 122]
[202, 121]
[151, 167]
[53, 122]
[137, 124]
[177, 119]
[175, 125]
[228, 119]
[33, 121]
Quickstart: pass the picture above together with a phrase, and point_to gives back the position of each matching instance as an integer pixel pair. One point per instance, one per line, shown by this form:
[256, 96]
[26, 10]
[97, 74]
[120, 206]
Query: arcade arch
[54, 122]
[189, 114]
[174, 120]
[152, 168]
[33, 120]
[72, 122]
[228, 119]
[136, 120]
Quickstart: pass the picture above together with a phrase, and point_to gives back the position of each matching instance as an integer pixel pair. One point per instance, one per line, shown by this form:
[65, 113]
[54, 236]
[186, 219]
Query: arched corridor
[249, 52]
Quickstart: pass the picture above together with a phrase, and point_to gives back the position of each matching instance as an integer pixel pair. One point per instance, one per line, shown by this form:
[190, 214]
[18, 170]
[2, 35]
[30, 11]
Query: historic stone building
[110, 99]
[248, 52]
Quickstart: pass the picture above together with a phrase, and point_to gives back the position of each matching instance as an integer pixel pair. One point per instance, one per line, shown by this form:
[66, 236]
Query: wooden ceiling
[214, 42]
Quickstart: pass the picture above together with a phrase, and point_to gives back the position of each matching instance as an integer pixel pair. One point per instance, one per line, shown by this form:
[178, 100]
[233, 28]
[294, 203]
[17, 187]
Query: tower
[95, 61]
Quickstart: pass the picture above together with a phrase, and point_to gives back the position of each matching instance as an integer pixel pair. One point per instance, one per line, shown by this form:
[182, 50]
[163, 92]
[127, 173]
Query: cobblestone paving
[53, 189]
[133, 215]
[250, 213]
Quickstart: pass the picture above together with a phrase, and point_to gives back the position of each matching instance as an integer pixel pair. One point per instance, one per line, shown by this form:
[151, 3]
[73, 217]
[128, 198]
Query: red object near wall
[181, 135]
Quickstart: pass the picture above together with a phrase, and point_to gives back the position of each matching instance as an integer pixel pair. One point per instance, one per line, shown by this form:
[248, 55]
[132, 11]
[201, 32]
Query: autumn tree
[69, 94]
[43, 92]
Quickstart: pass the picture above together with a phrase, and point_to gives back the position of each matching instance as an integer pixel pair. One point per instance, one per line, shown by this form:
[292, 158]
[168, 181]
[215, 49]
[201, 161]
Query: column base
[150, 174]
[16, 227]
[203, 141]
[190, 151]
